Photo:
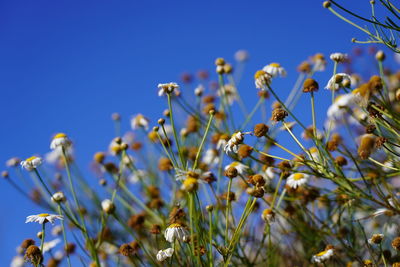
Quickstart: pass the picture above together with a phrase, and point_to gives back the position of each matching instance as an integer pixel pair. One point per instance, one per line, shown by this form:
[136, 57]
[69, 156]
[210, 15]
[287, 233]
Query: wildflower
[278, 114]
[341, 161]
[270, 173]
[33, 255]
[396, 243]
[304, 67]
[244, 151]
[47, 246]
[31, 163]
[168, 88]
[222, 140]
[340, 80]
[164, 254]
[260, 130]
[275, 69]
[13, 162]
[241, 168]
[60, 140]
[323, 256]
[233, 143]
[126, 250]
[319, 62]
[297, 179]
[140, 121]
[108, 206]
[310, 85]
[268, 216]
[262, 79]
[367, 145]
[211, 157]
[338, 57]
[190, 184]
[380, 55]
[228, 92]
[176, 231]
[241, 55]
[17, 261]
[58, 197]
[376, 239]
[199, 90]
[43, 218]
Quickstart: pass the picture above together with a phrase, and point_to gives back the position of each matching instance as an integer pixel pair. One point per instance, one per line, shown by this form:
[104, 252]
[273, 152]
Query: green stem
[171, 117]
[202, 141]
[43, 235]
[64, 235]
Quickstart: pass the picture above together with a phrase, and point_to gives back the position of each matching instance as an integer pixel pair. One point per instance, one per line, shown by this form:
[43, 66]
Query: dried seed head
[136, 221]
[165, 164]
[367, 145]
[161, 121]
[230, 197]
[27, 242]
[310, 85]
[375, 83]
[5, 174]
[278, 114]
[209, 208]
[126, 250]
[33, 255]
[326, 4]
[341, 161]
[260, 129]
[304, 67]
[380, 141]
[257, 192]
[228, 68]
[244, 151]
[155, 229]
[396, 243]
[231, 172]
[369, 129]
[70, 248]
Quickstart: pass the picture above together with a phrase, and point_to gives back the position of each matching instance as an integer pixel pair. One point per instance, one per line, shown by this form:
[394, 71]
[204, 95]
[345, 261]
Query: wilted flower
[176, 231]
[164, 254]
[233, 143]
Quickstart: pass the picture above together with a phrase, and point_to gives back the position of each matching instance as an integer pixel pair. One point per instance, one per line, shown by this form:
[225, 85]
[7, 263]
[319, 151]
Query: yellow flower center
[60, 135]
[43, 215]
[275, 65]
[175, 225]
[259, 74]
[298, 176]
[322, 253]
[234, 164]
[313, 150]
[31, 158]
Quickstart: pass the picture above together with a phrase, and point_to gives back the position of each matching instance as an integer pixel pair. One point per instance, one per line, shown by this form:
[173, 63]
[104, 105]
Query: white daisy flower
[176, 231]
[31, 163]
[43, 218]
[270, 173]
[233, 144]
[262, 79]
[58, 197]
[47, 246]
[167, 88]
[211, 157]
[340, 80]
[164, 254]
[140, 121]
[275, 70]
[107, 206]
[297, 179]
[338, 57]
[241, 168]
[199, 90]
[322, 256]
[60, 140]
[376, 239]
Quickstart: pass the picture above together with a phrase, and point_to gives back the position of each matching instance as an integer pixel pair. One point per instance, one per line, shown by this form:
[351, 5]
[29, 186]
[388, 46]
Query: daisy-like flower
[268, 216]
[168, 88]
[199, 90]
[338, 57]
[270, 173]
[60, 140]
[275, 70]
[262, 79]
[323, 256]
[13, 162]
[319, 62]
[228, 92]
[31, 163]
[340, 80]
[376, 239]
[164, 254]
[297, 179]
[47, 246]
[190, 184]
[58, 197]
[241, 168]
[176, 231]
[43, 218]
[211, 157]
[233, 144]
[140, 121]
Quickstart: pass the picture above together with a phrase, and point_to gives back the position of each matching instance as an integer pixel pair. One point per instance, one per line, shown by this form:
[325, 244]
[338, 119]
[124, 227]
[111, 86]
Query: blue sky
[65, 66]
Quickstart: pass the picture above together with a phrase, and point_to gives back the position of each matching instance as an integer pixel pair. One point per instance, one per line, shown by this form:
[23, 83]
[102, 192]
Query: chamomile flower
[319, 62]
[199, 90]
[340, 80]
[164, 254]
[13, 162]
[211, 157]
[275, 69]
[47, 246]
[270, 173]
[376, 239]
[297, 179]
[228, 93]
[168, 88]
[43, 218]
[140, 121]
[268, 216]
[241, 168]
[176, 231]
[323, 256]
[338, 57]
[60, 140]
[31, 163]
[233, 144]
[262, 79]
[58, 197]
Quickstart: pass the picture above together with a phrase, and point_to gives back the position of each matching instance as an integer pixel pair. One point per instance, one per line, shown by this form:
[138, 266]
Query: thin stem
[64, 236]
[171, 117]
[202, 141]
[43, 235]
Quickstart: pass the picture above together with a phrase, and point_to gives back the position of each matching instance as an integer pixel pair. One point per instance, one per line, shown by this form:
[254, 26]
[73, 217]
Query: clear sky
[65, 66]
